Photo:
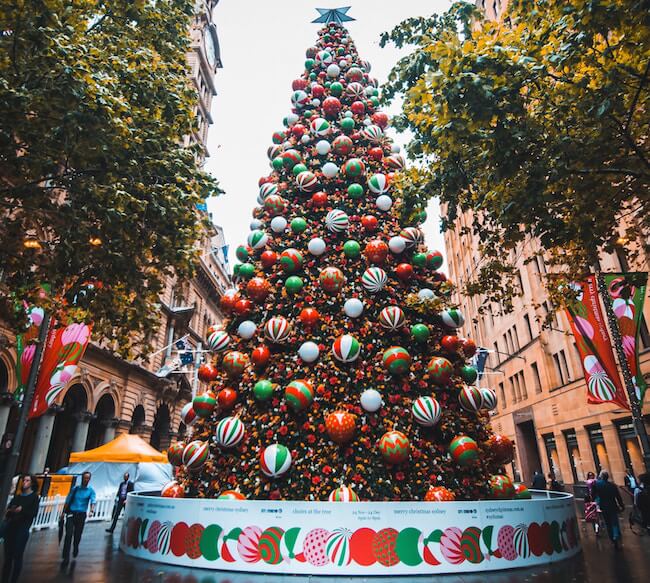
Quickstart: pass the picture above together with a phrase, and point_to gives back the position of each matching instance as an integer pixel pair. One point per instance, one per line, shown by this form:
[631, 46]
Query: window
[552, 456]
[598, 449]
[511, 344]
[630, 445]
[559, 370]
[528, 326]
[565, 365]
[574, 455]
[506, 348]
[520, 283]
[502, 394]
[516, 338]
[536, 379]
[512, 390]
[522, 382]
[497, 358]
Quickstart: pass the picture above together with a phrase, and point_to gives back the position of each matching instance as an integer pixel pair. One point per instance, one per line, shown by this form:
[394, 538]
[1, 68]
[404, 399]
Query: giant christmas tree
[339, 374]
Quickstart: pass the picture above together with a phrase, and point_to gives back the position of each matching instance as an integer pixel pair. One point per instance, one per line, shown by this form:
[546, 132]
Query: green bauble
[355, 190]
[298, 225]
[312, 76]
[420, 333]
[246, 270]
[263, 390]
[277, 163]
[309, 64]
[298, 168]
[374, 100]
[352, 249]
[242, 253]
[308, 114]
[347, 124]
[419, 260]
[235, 269]
[336, 89]
[293, 284]
[468, 374]
[421, 216]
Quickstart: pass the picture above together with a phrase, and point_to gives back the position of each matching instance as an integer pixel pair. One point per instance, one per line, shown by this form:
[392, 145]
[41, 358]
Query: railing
[50, 509]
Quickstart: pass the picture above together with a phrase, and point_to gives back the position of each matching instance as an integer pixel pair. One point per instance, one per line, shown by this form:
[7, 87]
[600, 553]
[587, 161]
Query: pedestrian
[630, 482]
[610, 503]
[642, 500]
[123, 489]
[592, 513]
[590, 481]
[553, 484]
[75, 510]
[539, 483]
[21, 512]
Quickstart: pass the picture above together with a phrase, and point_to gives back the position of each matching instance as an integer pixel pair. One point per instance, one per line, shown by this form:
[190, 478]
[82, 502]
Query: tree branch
[637, 95]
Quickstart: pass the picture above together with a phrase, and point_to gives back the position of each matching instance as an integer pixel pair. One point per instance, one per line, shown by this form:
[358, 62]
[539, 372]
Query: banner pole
[635, 405]
[25, 407]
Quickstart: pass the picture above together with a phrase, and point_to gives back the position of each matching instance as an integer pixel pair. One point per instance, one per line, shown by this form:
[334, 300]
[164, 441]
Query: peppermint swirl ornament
[268, 189]
[412, 236]
[392, 318]
[343, 494]
[489, 398]
[277, 330]
[374, 279]
[320, 126]
[373, 134]
[306, 181]
[452, 318]
[229, 432]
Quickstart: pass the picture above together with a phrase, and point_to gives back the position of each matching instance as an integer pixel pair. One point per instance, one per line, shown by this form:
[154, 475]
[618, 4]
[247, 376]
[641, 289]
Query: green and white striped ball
[426, 411]
[452, 318]
[412, 236]
[346, 348]
[218, 340]
[343, 494]
[489, 398]
[337, 221]
[229, 432]
[257, 239]
[268, 188]
[338, 548]
[374, 279]
[379, 183]
[320, 126]
[373, 134]
[195, 455]
[275, 460]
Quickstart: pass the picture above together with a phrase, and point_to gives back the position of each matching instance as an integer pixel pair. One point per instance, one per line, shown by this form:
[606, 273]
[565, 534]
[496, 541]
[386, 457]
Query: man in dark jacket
[610, 503]
[539, 483]
[123, 489]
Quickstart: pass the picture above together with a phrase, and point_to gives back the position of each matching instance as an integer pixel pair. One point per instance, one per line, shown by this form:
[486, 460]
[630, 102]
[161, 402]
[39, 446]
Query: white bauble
[367, 122]
[308, 351]
[315, 102]
[316, 246]
[343, 63]
[330, 170]
[255, 224]
[306, 138]
[247, 329]
[278, 224]
[371, 400]
[348, 114]
[353, 308]
[333, 70]
[395, 148]
[426, 294]
[397, 244]
[323, 147]
[292, 118]
[384, 202]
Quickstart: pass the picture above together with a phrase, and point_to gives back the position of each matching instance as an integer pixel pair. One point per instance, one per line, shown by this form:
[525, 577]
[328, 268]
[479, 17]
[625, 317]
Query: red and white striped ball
[277, 330]
[470, 399]
[229, 432]
[392, 318]
[343, 494]
[195, 454]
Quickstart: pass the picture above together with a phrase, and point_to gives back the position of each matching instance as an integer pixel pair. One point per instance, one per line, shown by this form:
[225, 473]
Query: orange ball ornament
[439, 494]
[227, 398]
[376, 251]
[501, 448]
[173, 490]
[258, 289]
[229, 299]
[341, 426]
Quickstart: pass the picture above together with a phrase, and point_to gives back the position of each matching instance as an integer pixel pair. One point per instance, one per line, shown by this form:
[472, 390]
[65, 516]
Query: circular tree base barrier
[362, 538]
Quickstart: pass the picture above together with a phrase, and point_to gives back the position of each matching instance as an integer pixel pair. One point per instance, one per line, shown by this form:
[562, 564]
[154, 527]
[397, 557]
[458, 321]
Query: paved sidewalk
[101, 561]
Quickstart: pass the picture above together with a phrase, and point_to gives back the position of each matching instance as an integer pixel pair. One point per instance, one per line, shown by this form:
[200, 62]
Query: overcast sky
[263, 49]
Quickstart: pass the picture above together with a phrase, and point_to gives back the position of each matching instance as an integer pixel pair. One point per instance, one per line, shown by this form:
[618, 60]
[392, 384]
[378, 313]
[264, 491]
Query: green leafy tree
[94, 103]
[538, 123]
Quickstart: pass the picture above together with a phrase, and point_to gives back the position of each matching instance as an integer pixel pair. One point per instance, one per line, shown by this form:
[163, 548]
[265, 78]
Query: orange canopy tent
[125, 448]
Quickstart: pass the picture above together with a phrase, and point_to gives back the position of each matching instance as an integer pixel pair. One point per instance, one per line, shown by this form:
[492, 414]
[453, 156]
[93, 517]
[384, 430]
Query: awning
[125, 448]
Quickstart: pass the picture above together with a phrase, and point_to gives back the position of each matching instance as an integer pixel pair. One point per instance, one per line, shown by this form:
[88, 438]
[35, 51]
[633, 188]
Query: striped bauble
[394, 447]
[343, 494]
[355, 91]
[218, 340]
[397, 360]
[452, 318]
[306, 181]
[275, 460]
[426, 411]
[175, 453]
[337, 221]
[257, 239]
[470, 399]
[346, 348]
[229, 432]
[268, 188]
[392, 318]
[379, 183]
[464, 450]
[195, 454]
[277, 330]
[489, 398]
[412, 236]
[188, 415]
[374, 279]
[299, 394]
[204, 404]
[373, 133]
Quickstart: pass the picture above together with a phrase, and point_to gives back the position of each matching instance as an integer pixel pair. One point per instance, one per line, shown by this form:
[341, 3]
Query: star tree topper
[333, 15]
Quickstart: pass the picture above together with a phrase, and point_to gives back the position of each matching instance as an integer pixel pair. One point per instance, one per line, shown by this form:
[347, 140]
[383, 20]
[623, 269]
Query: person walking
[642, 500]
[20, 514]
[123, 489]
[553, 484]
[610, 504]
[75, 510]
[539, 483]
[630, 482]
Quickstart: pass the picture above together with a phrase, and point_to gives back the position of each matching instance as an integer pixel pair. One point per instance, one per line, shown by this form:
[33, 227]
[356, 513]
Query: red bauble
[469, 347]
[369, 223]
[268, 259]
[380, 119]
[229, 299]
[298, 84]
[450, 343]
[243, 307]
[376, 153]
[331, 106]
[308, 317]
[319, 199]
[258, 289]
[501, 448]
[341, 426]
[264, 180]
[298, 130]
[318, 91]
[376, 251]
[404, 271]
[260, 356]
[439, 494]
[173, 490]
[358, 108]
[208, 373]
[227, 398]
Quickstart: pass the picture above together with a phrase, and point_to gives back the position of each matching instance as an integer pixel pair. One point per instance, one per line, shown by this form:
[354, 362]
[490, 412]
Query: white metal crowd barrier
[50, 509]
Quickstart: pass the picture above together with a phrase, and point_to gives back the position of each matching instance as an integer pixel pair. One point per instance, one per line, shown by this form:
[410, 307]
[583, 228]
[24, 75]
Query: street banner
[64, 348]
[626, 293]
[594, 345]
[25, 348]
[479, 361]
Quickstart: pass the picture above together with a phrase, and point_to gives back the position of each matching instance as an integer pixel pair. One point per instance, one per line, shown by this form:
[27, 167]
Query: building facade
[109, 395]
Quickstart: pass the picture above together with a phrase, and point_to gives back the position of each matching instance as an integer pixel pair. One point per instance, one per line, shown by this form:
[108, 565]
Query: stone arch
[138, 419]
[161, 432]
[107, 388]
[73, 409]
[8, 363]
[103, 423]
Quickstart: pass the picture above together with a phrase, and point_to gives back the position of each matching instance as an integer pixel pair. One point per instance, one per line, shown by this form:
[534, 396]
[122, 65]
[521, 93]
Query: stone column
[6, 401]
[42, 441]
[109, 432]
[81, 430]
